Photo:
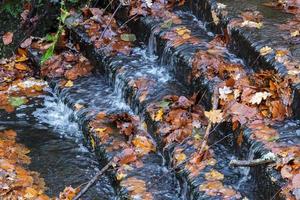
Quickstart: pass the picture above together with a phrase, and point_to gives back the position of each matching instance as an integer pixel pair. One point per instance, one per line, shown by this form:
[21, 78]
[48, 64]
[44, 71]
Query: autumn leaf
[215, 116]
[159, 115]
[259, 96]
[7, 38]
[21, 66]
[215, 18]
[265, 50]
[214, 175]
[223, 92]
[69, 83]
[26, 43]
[251, 24]
[143, 144]
[295, 33]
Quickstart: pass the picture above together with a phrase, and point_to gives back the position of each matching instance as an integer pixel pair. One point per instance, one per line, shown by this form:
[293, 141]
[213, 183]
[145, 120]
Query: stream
[53, 131]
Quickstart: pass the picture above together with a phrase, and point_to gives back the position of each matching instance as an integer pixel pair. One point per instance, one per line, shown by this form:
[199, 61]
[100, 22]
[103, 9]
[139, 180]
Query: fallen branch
[250, 163]
[265, 159]
[93, 180]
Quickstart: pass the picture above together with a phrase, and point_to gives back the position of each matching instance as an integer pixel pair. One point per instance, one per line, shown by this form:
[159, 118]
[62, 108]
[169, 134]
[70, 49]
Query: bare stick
[130, 19]
[250, 163]
[210, 124]
[93, 180]
[112, 16]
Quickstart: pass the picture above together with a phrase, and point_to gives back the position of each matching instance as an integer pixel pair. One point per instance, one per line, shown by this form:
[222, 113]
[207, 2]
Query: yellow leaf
[143, 145]
[120, 176]
[21, 66]
[69, 83]
[100, 130]
[295, 33]
[159, 115]
[22, 58]
[180, 157]
[265, 50]
[214, 175]
[182, 30]
[186, 36]
[30, 193]
[215, 116]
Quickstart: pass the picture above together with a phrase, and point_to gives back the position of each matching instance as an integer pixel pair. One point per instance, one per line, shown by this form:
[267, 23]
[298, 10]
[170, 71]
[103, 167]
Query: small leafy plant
[54, 38]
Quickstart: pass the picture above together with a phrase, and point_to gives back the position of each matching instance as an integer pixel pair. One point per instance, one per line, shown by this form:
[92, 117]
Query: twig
[250, 163]
[210, 124]
[113, 15]
[131, 18]
[93, 180]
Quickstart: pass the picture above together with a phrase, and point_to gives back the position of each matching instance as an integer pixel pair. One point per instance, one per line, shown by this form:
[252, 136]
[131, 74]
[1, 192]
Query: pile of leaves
[181, 123]
[16, 84]
[15, 180]
[66, 65]
[105, 33]
[14, 68]
[127, 143]
[243, 97]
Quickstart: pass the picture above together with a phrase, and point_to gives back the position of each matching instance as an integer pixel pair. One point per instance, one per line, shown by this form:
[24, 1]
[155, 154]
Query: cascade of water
[57, 115]
[152, 44]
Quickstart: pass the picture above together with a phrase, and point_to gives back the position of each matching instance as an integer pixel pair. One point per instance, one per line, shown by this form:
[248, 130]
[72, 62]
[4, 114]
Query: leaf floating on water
[17, 101]
[127, 37]
[215, 116]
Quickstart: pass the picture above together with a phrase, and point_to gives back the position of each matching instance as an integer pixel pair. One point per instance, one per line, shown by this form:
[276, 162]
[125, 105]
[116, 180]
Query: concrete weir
[160, 76]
